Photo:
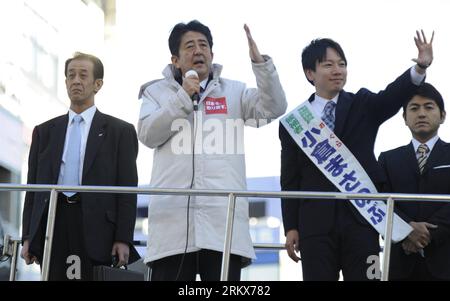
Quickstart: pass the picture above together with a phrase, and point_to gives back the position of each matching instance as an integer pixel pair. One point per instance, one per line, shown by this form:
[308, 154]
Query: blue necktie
[327, 115]
[71, 176]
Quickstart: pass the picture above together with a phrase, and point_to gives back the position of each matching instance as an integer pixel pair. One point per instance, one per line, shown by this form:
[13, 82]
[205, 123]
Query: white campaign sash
[339, 165]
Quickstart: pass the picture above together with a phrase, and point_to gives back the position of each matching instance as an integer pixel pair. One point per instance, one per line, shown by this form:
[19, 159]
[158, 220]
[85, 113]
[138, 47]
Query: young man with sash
[423, 167]
[327, 145]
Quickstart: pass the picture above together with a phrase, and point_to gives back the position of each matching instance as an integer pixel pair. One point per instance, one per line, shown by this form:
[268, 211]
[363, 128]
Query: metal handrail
[256, 245]
[225, 193]
[232, 195]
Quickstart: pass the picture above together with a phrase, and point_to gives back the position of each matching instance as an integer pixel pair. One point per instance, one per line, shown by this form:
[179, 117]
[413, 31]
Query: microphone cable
[190, 187]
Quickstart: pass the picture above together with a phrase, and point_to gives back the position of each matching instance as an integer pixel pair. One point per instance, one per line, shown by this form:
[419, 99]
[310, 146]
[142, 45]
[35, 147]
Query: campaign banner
[339, 165]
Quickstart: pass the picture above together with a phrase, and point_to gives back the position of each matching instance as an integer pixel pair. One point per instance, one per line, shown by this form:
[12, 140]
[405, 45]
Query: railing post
[12, 272]
[387, 239]
[228, 237]
[49, 234]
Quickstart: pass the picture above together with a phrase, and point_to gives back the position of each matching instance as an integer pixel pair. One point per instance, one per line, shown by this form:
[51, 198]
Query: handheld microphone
[195, 97]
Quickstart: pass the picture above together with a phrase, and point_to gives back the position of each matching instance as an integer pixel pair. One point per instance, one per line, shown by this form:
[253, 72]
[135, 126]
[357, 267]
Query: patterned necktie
[71, 176]
[423, 151]
[328, 114]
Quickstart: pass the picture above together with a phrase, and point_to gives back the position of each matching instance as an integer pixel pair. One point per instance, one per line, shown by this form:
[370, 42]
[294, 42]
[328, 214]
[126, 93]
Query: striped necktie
[423, 151]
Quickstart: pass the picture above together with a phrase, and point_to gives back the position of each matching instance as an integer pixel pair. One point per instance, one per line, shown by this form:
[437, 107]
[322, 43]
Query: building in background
[37, 36]
[265, 227]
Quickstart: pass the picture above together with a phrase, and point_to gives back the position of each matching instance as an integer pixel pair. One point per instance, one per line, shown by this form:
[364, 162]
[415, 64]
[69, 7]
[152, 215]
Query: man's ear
[443, 114]
[98, 84]
[174, 60]
[309, 74]
[404, 116]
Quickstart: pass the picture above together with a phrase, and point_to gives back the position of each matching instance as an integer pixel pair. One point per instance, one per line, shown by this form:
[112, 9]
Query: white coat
[166, 124]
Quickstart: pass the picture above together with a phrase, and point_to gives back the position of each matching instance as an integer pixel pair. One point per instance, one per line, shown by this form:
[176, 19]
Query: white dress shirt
[430, 143]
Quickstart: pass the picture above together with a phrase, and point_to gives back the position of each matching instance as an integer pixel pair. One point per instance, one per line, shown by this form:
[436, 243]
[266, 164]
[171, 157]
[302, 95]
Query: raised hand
[425, 56]
[255, 56]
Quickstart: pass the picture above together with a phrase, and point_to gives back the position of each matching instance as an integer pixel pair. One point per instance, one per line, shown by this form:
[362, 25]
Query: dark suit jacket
[358, 117]
[403, 176]
[110, 160]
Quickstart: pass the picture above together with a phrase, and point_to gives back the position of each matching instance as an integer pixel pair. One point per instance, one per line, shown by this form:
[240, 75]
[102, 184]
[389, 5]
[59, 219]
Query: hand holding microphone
[191, 84]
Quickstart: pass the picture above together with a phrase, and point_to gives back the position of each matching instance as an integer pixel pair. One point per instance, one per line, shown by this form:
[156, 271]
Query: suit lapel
[410, 158]
[96, 136]
[57, 139]
[437, 153]
[409, 169]
[342, 109]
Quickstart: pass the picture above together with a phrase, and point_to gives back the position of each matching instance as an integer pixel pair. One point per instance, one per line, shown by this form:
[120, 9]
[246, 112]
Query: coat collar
[342, 109]
[96, 136]
[173, 77]
[438, 152]
[57, 138]
[343, 106]
[410, 163]
[58, 129]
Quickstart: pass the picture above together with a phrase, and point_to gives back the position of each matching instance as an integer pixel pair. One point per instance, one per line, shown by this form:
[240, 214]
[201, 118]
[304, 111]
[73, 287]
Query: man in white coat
[194, 120]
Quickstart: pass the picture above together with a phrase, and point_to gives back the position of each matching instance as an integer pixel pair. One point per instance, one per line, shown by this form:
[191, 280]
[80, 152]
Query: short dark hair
[98, 65]
[428, 91]
[181, 28]
[316, 52]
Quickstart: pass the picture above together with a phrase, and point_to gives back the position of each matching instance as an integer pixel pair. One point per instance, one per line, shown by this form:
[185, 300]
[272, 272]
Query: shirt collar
[323, 101]
[203, 83]
[430, 143]
[87, 114]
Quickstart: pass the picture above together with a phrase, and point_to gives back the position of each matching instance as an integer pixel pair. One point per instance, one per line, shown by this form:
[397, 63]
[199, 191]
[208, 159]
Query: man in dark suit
[83, 147]
[332, 235]
[421, 167]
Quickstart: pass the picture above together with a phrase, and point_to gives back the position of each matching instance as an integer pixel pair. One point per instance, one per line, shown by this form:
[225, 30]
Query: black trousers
[206, 263]
[69, 260]
[346, 248]
[420, 273]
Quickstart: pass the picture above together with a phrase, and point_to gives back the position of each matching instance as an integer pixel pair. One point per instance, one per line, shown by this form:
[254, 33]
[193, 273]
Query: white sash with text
[339, 165]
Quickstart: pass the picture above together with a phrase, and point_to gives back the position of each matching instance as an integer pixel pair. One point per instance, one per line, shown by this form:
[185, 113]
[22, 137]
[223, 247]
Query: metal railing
[10, 250]
[232, 195]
